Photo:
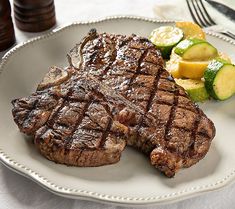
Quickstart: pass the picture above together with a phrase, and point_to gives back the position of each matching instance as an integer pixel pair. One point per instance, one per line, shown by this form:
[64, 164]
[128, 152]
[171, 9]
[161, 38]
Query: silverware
[225, 10]
[202, 18]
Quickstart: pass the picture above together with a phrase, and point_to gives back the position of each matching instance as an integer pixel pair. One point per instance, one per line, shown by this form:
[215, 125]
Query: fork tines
[202, 17]
[199, 13]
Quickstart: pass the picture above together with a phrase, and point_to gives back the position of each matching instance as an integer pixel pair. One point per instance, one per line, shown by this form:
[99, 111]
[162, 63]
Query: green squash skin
[199, 98]
[165, 49]
[210, 74]
[194, 93]
[183, 44]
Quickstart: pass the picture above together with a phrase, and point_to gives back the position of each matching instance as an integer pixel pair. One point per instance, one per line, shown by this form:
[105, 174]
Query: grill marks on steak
[137, 74]
[77, 130]
[120, 93]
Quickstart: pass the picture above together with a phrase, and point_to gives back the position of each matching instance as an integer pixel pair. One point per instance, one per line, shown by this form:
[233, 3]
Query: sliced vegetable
[192, 69]
[220, 79]
[195, 50]
[165, 38]
[191, 30]
[195, 88]
[172, 65]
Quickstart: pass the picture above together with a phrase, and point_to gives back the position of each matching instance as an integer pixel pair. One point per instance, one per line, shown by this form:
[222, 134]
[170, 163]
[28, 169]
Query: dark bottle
[34, 15]
[7, 34]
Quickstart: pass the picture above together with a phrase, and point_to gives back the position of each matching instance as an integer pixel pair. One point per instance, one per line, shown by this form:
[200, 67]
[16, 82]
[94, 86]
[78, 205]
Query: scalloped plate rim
[89, 195]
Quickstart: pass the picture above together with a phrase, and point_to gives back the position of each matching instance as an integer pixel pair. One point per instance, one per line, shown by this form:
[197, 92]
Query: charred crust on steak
[115, 92]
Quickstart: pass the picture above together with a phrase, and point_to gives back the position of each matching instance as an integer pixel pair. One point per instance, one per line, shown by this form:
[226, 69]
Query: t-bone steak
[115, 92]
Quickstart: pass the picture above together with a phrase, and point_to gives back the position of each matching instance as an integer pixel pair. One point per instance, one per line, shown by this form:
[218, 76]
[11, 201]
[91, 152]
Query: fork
[202, 18]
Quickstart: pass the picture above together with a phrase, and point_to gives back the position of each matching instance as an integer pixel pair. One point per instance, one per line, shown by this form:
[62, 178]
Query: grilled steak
[116, 92]
[70, 123]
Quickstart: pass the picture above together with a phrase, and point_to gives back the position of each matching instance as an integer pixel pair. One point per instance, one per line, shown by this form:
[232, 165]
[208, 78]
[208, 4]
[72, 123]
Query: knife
[227, 11]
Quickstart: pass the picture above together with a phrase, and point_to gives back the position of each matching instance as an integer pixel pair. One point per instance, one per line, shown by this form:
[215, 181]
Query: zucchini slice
[195, 89]
[220, 79]
[165, 38]
[196, 50]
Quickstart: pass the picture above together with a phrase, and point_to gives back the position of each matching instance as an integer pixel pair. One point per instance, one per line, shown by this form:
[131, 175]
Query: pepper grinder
[7, 34]
[34, 15]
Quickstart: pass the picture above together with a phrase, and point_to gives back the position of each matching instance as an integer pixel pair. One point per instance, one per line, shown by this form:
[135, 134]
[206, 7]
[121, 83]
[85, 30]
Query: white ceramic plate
[132, 181]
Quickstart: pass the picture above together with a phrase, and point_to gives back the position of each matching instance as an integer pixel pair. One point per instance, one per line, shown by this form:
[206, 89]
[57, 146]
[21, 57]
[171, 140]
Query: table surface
[18, 192]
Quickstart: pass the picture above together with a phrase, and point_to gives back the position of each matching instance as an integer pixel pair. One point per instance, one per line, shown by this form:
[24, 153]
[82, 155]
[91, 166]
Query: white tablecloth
[18, 192]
